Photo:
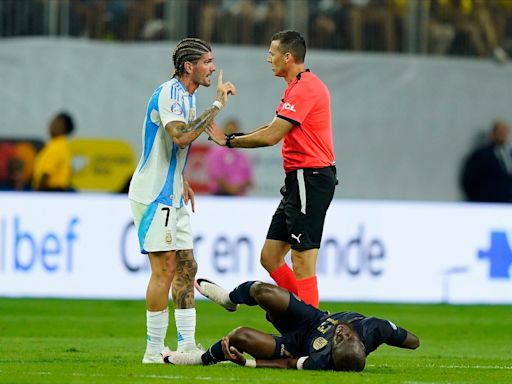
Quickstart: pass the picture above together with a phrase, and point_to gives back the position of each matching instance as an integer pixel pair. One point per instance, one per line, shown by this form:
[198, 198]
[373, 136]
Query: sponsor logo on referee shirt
[289, 107]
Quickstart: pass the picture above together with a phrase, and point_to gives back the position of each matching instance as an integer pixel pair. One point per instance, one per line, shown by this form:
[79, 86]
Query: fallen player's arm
[234, 355]
[390, 334]
[277, 363]
[411, 341]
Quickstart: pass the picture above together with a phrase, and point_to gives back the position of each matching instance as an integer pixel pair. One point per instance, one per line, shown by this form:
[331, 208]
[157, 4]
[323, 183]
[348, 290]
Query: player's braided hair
[189, 49]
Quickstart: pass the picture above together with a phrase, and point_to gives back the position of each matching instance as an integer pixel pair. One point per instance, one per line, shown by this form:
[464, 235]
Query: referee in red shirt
[303, 121]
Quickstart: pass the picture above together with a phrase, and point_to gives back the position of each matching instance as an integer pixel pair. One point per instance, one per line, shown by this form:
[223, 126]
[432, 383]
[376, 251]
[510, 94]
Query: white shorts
[161, 227]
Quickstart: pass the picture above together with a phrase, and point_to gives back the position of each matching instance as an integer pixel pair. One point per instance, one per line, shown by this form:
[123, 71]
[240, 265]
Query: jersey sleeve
[297, 104]
[311, 365]
[391, 334]
[318, 362]
[170, 109]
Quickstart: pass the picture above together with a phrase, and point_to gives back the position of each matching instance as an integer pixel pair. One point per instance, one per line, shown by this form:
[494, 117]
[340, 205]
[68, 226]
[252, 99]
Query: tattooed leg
[183, 283]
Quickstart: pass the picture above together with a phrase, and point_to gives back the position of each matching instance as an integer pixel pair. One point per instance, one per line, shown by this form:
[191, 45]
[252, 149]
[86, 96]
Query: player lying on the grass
[310, 338]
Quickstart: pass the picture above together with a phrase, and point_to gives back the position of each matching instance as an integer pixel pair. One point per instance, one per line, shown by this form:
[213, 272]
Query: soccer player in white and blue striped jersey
[158, 193]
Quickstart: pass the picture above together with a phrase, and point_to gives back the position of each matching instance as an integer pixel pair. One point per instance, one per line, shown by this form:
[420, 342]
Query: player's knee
[164, 274]
[188, 265]
[269, 261]
[261, 291]
[236, 333]
[240, 337]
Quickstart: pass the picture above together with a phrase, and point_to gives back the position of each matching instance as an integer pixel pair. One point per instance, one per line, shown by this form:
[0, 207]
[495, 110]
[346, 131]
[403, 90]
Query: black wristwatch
[230, 137]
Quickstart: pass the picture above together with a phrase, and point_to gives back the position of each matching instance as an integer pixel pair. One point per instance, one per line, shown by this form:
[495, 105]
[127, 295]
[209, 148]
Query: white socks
[186, 328]
[156, 323]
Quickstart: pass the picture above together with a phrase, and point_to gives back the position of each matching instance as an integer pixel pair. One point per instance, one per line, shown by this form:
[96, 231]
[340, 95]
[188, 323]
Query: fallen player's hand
[231, 353]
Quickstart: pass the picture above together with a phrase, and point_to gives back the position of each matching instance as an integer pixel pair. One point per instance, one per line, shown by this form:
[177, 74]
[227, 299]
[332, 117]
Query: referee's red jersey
[306, 104]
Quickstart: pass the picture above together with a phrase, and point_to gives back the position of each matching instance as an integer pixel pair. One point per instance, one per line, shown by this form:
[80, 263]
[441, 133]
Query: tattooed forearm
[201, 122]
[183, 283]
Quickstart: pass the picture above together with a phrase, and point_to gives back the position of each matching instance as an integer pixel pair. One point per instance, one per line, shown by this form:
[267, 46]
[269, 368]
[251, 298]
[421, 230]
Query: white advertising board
[84, 245]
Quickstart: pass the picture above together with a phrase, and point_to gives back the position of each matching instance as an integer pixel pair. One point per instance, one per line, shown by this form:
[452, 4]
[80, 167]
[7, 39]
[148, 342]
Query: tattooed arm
[183, 283]
[183, 134]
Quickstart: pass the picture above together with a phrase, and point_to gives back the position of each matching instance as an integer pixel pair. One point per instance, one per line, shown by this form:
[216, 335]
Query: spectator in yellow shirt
[52, 170]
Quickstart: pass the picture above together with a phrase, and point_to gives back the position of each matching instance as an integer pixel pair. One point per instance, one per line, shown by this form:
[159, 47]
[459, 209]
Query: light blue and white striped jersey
[159, 174]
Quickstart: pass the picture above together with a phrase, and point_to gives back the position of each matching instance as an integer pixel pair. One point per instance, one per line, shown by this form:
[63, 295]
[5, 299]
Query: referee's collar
[300, 73]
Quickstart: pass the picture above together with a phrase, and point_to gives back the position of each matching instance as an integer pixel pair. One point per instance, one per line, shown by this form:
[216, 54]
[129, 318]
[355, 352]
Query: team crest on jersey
[168, 237]
[176, 108]
[319, 343]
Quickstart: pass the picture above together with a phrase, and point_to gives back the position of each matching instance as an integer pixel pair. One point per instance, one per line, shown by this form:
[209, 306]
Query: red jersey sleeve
[296, 103]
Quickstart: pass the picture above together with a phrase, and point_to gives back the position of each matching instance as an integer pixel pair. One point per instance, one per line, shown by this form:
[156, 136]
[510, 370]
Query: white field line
[175, 377]
[463, 366]
[419, 382]
[238, 379]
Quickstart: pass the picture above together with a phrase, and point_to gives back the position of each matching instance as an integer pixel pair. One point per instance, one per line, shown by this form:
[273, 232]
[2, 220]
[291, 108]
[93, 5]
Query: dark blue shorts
[294, 326]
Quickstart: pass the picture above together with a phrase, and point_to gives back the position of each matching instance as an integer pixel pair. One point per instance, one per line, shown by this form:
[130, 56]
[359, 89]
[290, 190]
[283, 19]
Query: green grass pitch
[96, 341]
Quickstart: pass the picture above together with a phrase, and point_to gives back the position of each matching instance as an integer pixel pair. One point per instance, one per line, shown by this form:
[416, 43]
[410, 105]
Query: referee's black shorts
[299, 218]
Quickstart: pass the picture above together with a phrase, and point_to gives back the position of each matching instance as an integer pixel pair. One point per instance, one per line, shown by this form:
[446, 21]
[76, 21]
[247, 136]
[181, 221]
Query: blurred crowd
[32, 165]
[479, 27]
[462, 27]
[66, 164]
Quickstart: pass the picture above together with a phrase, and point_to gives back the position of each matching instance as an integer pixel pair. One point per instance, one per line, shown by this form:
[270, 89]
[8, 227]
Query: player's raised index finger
[220, 79]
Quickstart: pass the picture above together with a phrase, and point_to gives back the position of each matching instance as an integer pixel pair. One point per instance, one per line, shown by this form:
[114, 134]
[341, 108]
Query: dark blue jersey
[372, 332]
